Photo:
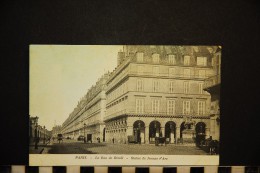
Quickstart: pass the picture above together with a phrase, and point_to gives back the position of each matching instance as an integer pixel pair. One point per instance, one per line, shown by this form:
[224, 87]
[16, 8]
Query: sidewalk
[40, 150]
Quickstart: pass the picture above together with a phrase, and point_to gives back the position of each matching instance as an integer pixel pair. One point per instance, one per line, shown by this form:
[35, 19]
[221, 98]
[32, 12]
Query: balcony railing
[165, 61]
[177, 75]
[113, 115]
[149, 113]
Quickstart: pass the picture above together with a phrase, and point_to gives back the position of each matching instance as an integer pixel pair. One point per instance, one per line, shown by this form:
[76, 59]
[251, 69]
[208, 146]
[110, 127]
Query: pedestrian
[113, 140]
[211, 147]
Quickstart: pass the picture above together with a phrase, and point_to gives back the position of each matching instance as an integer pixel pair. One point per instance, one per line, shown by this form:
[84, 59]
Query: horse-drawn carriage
[160, 140]
[210, 146]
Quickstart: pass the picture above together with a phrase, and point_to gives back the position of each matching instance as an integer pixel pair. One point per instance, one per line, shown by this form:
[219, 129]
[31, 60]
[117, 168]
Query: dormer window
[171, 59]
[186, 60]
[156, 58]
[202, 61]
[140, 56]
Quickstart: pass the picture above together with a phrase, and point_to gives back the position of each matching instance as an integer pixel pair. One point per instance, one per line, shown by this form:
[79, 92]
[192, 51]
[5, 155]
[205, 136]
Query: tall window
[140, 69]
[186, 72]
[186, 87]
[186, 107]
[171, 59]
[171, 86]
[140, 57]
[201, 107]
[172, 71]
[171, 107]
[186, 60]
[156, 70]
[201, 91]
[139, 105]
[155, 106]
[140, 85]
[202, 73]
[201, 61]
[155, 86]
[156, 58]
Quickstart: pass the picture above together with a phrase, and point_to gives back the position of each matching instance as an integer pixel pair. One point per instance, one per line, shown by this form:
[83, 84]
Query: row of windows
[92, 109]
[170, 106]
[115, 131]
[117, 102]
[172, 86]
[172, 71]
[201, 61]
[117, 92]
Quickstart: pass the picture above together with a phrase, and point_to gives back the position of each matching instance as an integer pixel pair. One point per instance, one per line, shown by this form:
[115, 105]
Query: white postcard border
[121, 160]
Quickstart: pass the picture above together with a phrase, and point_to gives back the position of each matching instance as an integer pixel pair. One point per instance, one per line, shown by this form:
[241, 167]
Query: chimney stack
[120, 57]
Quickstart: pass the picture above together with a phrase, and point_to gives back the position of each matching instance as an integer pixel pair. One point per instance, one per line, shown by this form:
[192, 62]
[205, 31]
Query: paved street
[78, 147]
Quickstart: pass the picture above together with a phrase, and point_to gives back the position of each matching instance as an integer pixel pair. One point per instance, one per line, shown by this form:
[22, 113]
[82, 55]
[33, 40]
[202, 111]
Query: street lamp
[43, 134]
[84, 133]
[36, 133]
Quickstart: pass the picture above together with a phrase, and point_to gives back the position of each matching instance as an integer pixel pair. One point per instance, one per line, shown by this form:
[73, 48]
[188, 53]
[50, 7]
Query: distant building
[36, 130]
[154, 91]
[89, 111]
[56, 130]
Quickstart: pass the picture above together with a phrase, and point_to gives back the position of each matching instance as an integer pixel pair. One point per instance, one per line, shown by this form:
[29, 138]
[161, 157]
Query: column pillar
[146, 134]
[212, 126]
[172, 137]
[163, 131]
[129, 132]
[207, 132]
[177, 133]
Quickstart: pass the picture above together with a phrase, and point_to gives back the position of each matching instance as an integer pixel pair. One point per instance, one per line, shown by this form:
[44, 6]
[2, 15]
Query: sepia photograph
[125, 100]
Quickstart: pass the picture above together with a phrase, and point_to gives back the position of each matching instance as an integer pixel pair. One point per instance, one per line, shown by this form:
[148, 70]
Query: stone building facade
[155, 91]
[37, 131]
[56, 130]
[212, 85]
[87, 118]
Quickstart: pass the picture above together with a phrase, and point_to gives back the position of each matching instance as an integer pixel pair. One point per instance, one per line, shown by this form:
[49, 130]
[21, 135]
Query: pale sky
[60, 75]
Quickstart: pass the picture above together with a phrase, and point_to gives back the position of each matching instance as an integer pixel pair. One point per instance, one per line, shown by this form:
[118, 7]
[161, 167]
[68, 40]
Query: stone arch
[154, 130]
[200, 128]
[200, 132]
[170, 131]
[139, 131]
[182, 127]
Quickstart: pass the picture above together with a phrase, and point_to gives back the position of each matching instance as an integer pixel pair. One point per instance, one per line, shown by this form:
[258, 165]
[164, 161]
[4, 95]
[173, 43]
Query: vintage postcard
[124, 105]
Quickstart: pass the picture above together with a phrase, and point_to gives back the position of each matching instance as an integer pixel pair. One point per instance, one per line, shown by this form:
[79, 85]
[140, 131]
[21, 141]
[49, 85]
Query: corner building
[155, 91]
[212, 86]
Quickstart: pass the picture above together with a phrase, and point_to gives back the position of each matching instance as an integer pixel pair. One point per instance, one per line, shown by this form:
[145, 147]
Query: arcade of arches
[146, 129]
